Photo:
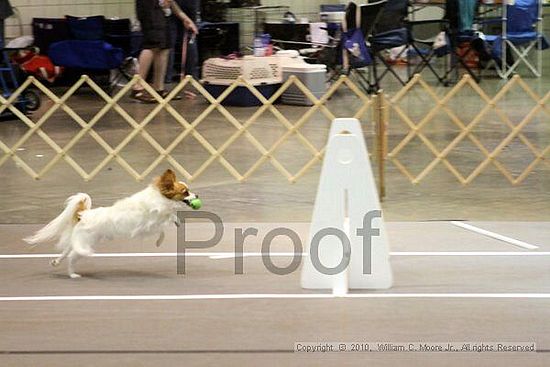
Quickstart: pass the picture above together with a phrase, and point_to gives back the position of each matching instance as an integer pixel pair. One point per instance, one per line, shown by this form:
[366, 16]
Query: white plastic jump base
[345, 197]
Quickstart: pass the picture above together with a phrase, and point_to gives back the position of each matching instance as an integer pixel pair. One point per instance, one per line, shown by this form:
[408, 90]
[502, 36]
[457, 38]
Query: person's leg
[159, 68]
[145, 60]
[144, 65]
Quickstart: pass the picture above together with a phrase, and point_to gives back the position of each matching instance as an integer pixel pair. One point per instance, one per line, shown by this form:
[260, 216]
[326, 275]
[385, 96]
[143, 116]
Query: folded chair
[521, 35]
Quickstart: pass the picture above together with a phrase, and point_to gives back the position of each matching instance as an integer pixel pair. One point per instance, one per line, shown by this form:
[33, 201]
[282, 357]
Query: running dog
[146, 213]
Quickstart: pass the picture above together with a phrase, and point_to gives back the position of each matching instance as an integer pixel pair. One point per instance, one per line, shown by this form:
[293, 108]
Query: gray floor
[244, 332]
[263, 331]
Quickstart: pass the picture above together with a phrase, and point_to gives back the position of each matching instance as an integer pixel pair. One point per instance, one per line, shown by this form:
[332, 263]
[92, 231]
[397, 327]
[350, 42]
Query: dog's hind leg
[81, 245]
[160, 239]
[73, 258]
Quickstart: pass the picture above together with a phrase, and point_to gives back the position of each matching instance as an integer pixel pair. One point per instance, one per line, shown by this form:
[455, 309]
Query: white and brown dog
[146, 213]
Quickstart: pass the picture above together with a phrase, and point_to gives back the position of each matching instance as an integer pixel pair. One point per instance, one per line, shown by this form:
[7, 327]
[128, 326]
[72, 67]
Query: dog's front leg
[160, 239]
[57, 261]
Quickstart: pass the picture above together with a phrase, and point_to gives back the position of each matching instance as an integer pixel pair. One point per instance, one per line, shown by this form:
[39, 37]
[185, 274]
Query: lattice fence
[112, 153]
[466, 128]
[386, 112]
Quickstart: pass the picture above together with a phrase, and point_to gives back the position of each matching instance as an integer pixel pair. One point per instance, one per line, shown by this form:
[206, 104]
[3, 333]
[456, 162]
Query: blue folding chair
[363, 18]
[521, 35]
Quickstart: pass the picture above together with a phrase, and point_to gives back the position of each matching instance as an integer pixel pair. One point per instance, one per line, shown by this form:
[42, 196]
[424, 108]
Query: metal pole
[382, 141]
[504, 39]
[539, 29]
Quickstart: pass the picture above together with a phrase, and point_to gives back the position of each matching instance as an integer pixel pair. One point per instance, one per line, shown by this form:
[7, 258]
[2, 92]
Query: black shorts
[155, 26]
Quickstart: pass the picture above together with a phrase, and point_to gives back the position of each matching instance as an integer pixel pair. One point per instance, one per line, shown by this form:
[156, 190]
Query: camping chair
[460, 16]
[46, 31]
[363, 17]
[436, 38]
[87, 52]
[391, 32]
[118, 32]
[394, 29]
[521, 34]
[428, 41]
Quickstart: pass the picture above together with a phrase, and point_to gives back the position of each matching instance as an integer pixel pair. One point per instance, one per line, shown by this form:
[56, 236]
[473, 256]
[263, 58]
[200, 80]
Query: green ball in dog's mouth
[196, 203]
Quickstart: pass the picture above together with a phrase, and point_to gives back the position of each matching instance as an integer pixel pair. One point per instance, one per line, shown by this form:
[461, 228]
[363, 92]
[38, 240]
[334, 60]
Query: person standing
[154, 16]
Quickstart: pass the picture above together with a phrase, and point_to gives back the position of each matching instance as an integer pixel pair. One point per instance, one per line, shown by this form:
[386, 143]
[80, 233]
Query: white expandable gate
[347, 202]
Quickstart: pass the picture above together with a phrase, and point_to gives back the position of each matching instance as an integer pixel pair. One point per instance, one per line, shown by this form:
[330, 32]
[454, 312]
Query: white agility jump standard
[347, 202]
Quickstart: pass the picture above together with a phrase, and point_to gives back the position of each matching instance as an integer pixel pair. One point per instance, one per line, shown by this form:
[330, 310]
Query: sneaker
[142, 96]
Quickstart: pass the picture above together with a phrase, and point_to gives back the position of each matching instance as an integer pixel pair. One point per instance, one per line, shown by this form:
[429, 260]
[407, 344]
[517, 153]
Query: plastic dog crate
[313, 76]
[242, 96]
[264, 73]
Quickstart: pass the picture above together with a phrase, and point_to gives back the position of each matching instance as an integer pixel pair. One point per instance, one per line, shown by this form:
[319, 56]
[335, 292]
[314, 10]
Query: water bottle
[259, 49]
[268, 47]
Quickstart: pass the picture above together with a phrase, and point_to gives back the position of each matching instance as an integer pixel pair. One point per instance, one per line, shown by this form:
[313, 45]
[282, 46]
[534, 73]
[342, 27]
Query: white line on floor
[191, 297]
[469, 253]
[494, 235]
[230, 255]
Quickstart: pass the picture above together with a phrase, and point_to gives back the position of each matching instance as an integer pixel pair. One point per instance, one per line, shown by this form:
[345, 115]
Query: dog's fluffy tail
[66, 220]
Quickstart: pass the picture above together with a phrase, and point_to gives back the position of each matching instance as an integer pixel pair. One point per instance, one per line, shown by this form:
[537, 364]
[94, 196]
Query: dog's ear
[170, 173]
[168, 179]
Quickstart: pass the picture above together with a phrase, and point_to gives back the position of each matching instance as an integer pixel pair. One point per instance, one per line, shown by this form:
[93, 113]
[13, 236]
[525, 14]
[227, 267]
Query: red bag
[37, 65]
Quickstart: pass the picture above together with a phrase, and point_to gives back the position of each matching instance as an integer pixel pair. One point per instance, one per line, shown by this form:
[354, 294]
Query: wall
[15, 26]
[28, 9]
[302, 7]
